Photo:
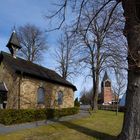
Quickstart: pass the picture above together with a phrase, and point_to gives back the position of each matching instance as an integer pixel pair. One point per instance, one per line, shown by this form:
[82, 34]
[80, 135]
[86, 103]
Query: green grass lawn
[103, 125]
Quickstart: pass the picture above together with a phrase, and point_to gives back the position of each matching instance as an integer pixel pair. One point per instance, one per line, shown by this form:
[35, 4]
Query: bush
[76, 103]
[15, 116]
[57, 113]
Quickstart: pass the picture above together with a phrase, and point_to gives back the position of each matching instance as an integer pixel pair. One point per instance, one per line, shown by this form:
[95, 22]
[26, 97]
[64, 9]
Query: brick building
[24, 84]
[107, 96]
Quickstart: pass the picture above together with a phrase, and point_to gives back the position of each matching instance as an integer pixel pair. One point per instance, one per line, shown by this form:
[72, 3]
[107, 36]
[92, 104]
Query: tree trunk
[131, 125]
[96, 91]
[117, 107]
[95, 95]
[94, 88]
[95, 77]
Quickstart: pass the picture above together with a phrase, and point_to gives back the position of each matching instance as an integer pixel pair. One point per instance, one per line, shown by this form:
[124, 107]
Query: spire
[13, 44]
[105, 76]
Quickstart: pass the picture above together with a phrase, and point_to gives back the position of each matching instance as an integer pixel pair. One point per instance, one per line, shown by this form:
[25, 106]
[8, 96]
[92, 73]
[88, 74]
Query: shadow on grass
[89, 132]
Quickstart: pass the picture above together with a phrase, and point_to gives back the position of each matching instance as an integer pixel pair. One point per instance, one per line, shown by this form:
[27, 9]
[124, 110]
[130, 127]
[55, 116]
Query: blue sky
[20, 12]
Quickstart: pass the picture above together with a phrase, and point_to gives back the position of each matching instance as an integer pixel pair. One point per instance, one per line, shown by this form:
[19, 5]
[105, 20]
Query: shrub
[68, 111]
[76, 103]
[16, 116]
[56, 113]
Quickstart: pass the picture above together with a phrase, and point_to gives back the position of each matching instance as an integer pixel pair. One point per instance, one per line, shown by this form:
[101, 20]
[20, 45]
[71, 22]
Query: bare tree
[131, 125]
[86, 96]
[119, 87]
[33, 42]
[66, 56]
[99, 50]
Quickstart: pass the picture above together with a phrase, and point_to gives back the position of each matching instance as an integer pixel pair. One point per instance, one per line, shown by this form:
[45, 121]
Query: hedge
[16, 116]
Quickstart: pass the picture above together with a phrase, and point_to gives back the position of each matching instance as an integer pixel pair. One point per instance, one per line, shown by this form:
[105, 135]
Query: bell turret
[13, 44]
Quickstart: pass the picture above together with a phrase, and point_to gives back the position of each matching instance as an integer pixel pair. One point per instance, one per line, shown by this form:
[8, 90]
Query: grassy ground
[104, 125]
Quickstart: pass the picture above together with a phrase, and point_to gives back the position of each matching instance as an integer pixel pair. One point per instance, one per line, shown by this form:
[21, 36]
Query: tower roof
[105, 76]
[13, 41]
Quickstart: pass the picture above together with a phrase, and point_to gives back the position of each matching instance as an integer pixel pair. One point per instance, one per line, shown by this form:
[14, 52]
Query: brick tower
[106, 95]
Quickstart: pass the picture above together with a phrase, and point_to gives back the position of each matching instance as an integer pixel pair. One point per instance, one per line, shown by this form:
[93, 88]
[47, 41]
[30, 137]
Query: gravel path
[12, 128]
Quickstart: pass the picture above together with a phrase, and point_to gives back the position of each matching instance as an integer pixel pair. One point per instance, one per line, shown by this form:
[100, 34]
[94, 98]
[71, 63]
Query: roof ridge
[27, 61]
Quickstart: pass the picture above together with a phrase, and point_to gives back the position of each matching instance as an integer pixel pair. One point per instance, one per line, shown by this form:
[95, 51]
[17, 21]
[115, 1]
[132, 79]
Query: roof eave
[46, 79]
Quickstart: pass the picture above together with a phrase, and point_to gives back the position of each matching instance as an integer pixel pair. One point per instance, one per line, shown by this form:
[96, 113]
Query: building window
[60, 98]
[41, 95]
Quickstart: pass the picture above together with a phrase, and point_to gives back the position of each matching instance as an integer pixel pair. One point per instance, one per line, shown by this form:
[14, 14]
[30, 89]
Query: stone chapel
[24, 84]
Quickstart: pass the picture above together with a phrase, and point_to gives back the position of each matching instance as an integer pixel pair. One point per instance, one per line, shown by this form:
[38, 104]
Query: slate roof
[105, 76]
[33, 70]
[3, 87]
[13, 41]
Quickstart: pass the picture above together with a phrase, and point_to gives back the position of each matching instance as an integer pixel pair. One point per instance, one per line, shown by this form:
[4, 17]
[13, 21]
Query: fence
[112, 108]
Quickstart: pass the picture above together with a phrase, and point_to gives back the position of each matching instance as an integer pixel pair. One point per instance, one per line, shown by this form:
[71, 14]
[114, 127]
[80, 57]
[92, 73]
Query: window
[41, 96]
[60, 98]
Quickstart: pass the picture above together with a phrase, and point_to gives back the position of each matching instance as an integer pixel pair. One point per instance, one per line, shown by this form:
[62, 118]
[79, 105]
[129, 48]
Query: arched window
[60, 98]
[41, 95]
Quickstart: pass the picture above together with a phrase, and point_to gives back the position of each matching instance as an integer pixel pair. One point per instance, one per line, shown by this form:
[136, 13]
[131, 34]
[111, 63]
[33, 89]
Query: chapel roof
[21, 66]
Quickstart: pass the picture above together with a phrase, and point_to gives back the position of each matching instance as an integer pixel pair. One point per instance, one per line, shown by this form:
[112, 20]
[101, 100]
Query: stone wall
[22, 91]
[28, 94]
[12, 83]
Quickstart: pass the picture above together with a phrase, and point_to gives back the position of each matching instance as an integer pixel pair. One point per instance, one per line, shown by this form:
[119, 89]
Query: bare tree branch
[33, 42]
